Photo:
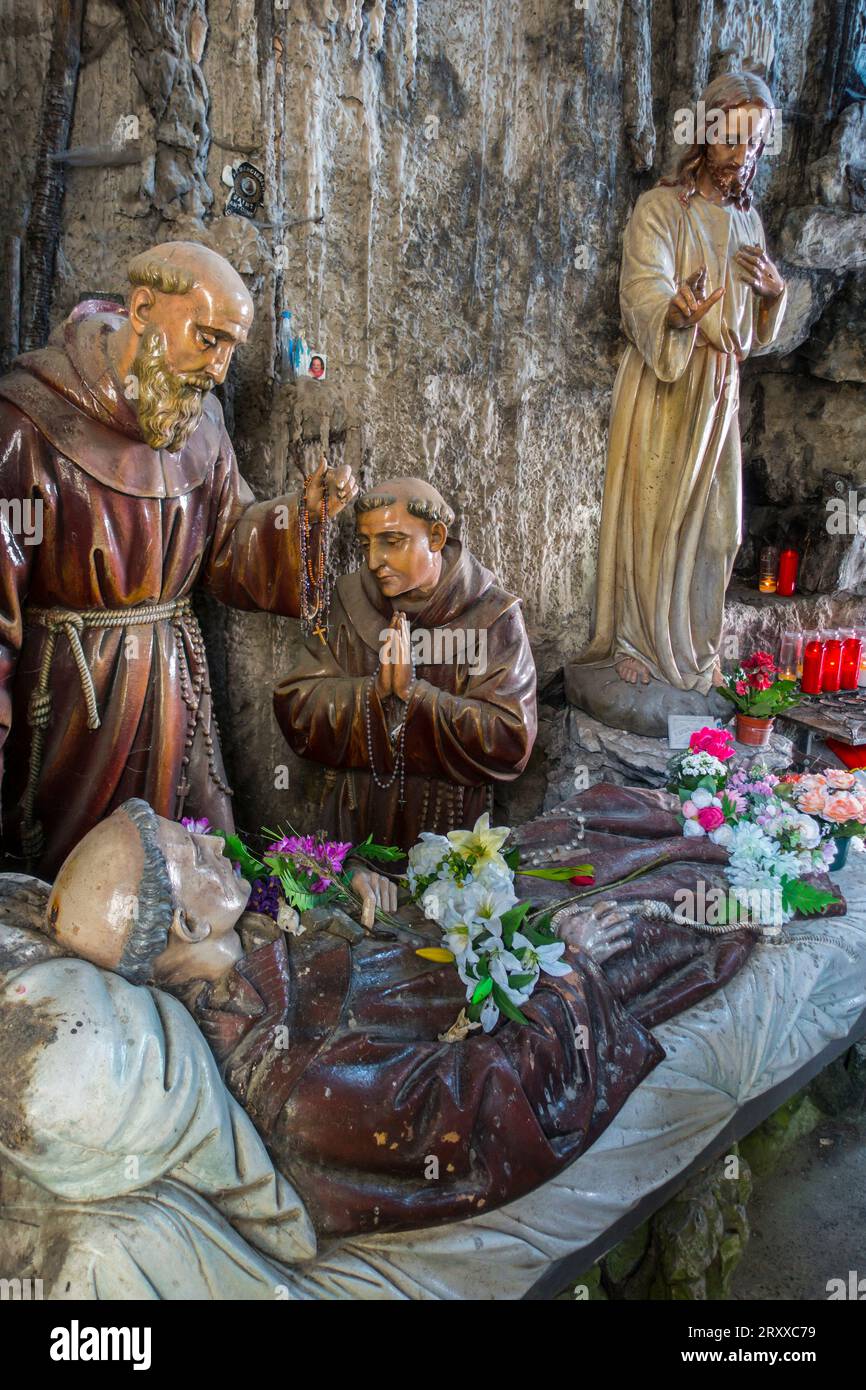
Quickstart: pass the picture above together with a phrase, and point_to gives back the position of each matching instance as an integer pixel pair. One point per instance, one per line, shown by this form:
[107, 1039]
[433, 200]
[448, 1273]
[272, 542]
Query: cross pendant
[321, 633]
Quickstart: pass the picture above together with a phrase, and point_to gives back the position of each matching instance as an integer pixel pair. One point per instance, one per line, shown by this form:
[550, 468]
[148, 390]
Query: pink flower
[328, 856]
[689, 809]
[841, 807]
[812, 802]
[710, 817]
[842, 781]
[740, 687]
[716, 742]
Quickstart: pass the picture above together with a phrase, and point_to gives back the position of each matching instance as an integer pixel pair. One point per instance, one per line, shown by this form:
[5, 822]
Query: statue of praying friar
[698, 294]
[424, 696]
[113, 434]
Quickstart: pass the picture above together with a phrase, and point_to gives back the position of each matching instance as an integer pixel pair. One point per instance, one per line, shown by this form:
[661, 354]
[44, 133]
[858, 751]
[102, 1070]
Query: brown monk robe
[127, 524]
[465, 717]
[331, 1040]
[380, 1125]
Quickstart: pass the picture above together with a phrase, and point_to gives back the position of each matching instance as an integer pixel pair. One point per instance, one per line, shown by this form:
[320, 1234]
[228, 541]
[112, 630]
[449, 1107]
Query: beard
[169, 406]
[731, 182]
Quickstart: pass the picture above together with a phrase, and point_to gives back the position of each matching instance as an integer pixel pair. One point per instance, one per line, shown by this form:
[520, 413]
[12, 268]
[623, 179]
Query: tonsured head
[146, 897]
[402, 526]
[189, 310]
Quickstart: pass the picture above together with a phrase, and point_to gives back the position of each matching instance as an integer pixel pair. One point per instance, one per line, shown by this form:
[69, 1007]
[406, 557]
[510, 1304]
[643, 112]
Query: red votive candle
[789, 562]
[832, 676]
[852, 649]
[813, 668]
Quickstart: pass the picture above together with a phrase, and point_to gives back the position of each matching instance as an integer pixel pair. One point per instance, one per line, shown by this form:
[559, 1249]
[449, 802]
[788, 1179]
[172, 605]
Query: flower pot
[754, 732]
[843, 844]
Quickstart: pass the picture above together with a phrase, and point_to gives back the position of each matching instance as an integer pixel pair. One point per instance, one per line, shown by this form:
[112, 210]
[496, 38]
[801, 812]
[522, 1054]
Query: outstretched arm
[254, 559]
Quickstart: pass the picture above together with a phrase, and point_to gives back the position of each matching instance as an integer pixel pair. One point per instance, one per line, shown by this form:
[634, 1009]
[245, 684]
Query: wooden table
[841, 716]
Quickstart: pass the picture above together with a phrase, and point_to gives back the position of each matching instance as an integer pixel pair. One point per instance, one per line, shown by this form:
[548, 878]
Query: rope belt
[73, 622]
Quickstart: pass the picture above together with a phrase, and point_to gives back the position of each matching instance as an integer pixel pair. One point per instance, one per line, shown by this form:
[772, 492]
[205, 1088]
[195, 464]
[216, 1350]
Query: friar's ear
[141, 301]
[438, 535]
[184, 930]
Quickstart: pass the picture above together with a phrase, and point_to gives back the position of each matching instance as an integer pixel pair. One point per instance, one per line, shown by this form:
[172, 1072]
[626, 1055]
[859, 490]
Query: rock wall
[446, 189]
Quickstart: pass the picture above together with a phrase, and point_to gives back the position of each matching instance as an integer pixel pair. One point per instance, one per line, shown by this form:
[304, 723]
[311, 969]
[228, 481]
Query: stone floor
[808, 1217]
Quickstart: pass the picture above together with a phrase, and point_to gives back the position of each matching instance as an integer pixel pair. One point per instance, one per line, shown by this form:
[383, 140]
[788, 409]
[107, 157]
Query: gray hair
[416, 506]
[148, 935]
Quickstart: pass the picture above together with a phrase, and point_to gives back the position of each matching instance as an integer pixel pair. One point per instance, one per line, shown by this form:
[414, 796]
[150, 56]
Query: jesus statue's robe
[670, 526]
[122, 525]
[470, 720]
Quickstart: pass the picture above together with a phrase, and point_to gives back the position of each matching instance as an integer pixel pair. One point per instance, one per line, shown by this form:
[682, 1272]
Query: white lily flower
[535, 958]
[489, 1014]
[481, 841]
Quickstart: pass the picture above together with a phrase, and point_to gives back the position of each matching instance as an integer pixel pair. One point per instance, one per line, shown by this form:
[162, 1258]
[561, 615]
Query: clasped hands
[395, 674]
[691, 301]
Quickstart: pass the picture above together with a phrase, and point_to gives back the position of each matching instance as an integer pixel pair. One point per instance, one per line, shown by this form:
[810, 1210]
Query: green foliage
[237, 852]
[799, 896]
[387, 853]
[500, 998]
[562, 873]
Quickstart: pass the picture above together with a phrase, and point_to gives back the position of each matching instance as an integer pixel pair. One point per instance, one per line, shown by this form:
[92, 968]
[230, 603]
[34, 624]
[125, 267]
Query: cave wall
[447, 186]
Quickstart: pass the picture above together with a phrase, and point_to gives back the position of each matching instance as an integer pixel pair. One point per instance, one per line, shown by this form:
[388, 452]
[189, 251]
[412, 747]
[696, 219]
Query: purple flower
[328, 856]
[196, 827]
[265, 896]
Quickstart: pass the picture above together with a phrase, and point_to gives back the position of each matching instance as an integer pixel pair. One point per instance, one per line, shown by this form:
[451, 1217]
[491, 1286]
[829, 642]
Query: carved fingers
[691, 302]
[758, 271]
[340, 482]
[603, 931]
[374, 890]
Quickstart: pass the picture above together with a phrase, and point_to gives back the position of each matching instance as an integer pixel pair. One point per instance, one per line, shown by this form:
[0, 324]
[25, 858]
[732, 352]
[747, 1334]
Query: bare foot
[631, 670]
[718, 678]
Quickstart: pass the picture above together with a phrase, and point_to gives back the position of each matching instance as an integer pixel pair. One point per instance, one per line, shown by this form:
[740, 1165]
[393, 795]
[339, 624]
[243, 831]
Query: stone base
[581, 751]
[640, 709]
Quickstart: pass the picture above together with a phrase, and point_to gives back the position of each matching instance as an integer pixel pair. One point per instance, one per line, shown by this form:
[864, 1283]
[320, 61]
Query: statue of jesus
[698, 293]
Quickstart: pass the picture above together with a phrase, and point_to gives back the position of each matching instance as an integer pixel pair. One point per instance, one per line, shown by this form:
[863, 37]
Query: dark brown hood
[71, 393]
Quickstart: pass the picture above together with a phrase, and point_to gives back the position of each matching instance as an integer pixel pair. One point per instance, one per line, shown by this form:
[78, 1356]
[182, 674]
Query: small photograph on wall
[317, 365]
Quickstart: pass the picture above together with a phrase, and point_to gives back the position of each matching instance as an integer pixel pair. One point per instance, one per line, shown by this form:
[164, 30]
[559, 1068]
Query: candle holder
[852, 651]
[768, 566]
[789, 563]
[832, 677]
[811, 681]
[790, 656]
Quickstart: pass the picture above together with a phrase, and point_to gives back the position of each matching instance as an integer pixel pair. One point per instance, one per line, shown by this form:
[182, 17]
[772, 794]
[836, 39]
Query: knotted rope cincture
[72, 622]
[654, 910]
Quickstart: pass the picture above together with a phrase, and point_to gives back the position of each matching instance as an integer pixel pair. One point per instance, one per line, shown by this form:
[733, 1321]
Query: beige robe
[670, 524]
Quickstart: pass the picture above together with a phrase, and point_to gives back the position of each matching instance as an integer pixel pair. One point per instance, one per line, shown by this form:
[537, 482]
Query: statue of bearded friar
[114, 432]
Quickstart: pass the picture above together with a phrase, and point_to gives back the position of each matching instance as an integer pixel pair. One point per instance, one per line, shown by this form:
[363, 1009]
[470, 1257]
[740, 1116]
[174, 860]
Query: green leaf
[505, 1006]
[481, 991]
[520, 981]
[512, 859]
[237, 852]
[370, 850]
[514, 916]
[708, 783]
[799, 896]
[511, 921]
[561, 874]
[539, 935]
